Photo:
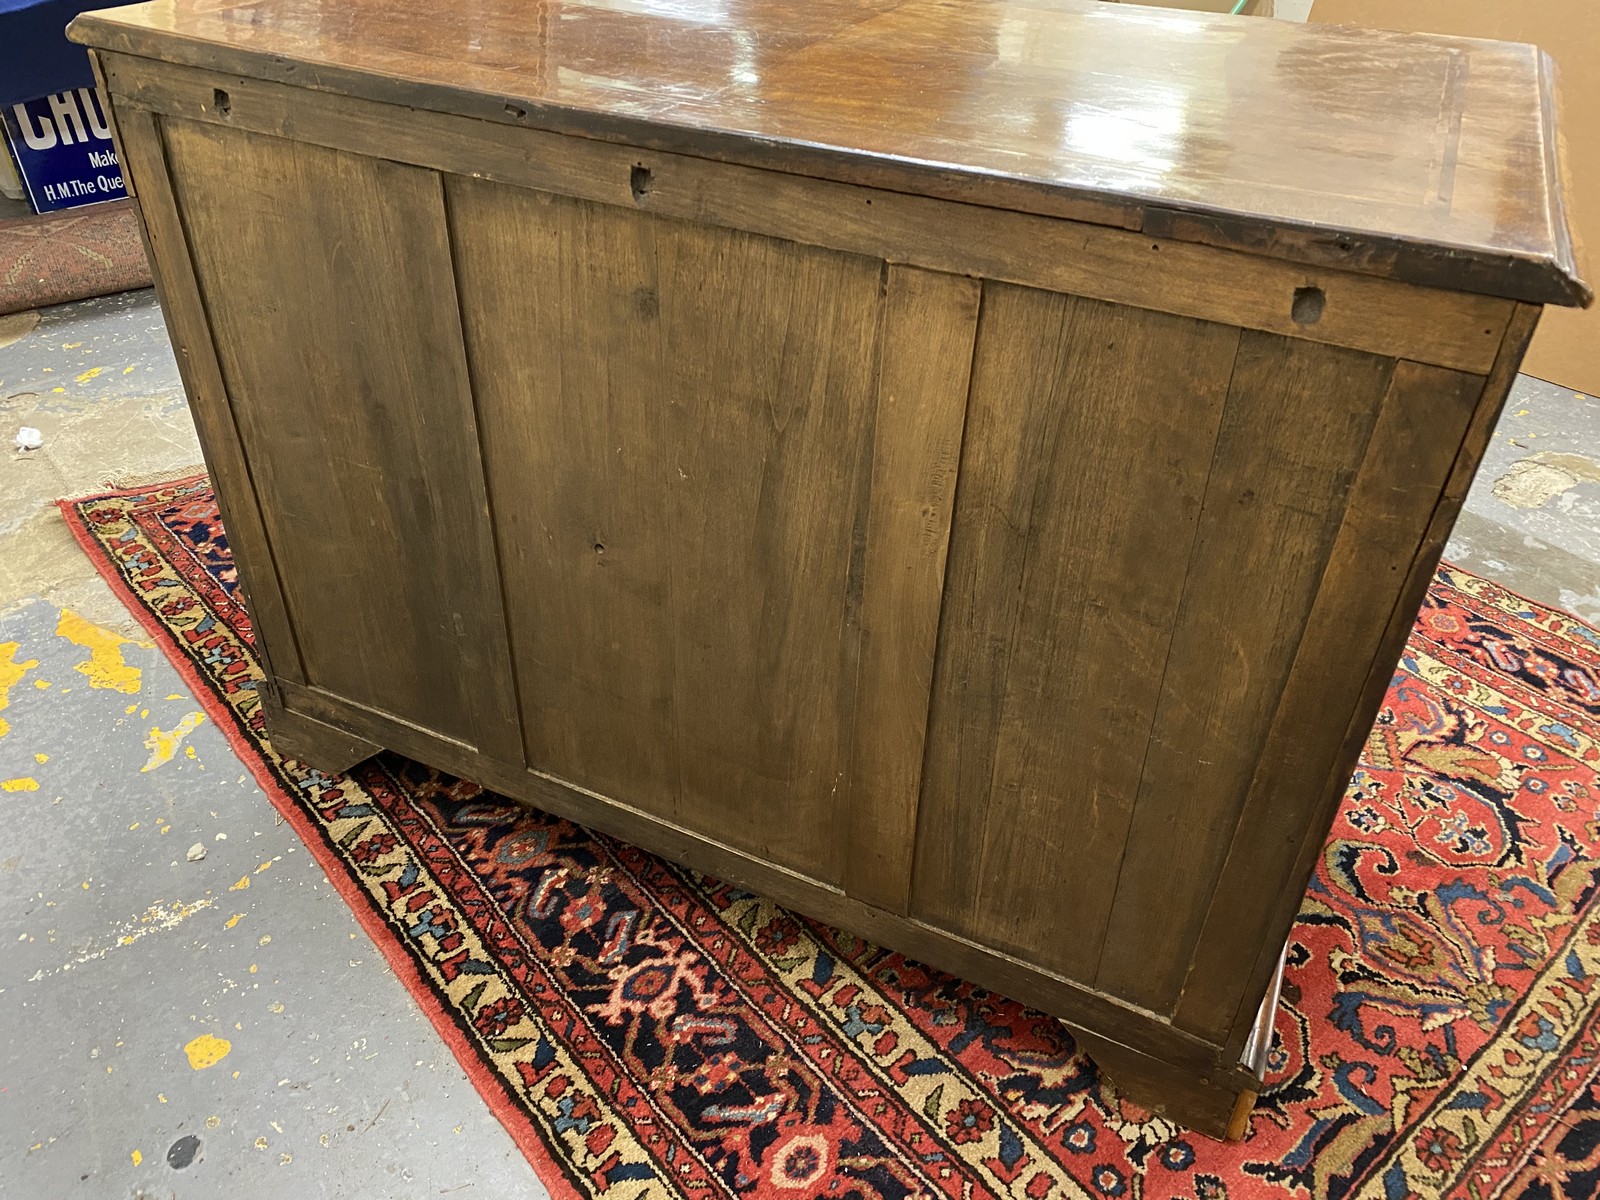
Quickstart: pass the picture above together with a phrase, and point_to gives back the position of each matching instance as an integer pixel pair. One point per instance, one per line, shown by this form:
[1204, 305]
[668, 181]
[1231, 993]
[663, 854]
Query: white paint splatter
[159, 917]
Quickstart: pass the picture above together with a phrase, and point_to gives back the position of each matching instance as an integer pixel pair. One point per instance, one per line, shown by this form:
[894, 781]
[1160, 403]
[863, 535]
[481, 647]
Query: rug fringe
[145, 479]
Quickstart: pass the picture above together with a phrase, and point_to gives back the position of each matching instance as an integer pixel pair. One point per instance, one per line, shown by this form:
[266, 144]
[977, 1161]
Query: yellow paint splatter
[127, 370]
[131, 709]
[161, 1097]
[163, 745]
[188, 752]
[41, 758]
[233, 920]
[263, 866]
[213, 1122]
[26, 784]
[70, 345]
[105, 668]
[174, 696]
[276, 1006]
[253, 968]
[137, 1158]
[207, 1051]
[261, 1143]
[11, 672]
[244, 882]
[144, 714]
[91, 373]
[42, 684]
[265, 938]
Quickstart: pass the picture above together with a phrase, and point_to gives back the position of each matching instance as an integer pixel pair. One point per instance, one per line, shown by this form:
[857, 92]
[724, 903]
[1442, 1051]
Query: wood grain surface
[354, 412]
[930, 323]
[1434, 429]
[141, 148]
[1423, 158]
[1298, 421]
[1428, 324]
[1057, 610]
[678, 445]
[947, 466]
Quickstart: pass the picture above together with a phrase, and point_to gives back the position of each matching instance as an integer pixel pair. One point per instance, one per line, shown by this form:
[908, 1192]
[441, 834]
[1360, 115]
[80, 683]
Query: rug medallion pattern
[644, 1031]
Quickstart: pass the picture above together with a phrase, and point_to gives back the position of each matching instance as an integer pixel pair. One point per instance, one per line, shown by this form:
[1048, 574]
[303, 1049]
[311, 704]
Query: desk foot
[1218, 1107]
[310, 742]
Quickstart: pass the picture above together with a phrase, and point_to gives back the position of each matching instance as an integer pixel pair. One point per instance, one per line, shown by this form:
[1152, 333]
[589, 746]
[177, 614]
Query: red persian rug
[71, 255]
[644, 1031]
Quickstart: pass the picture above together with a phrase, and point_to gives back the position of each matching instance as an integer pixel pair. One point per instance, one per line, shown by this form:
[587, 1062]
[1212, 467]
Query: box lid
[1421, 158]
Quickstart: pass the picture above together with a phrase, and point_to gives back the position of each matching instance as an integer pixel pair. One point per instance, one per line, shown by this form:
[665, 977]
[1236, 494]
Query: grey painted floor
[125, 967]
[1532, 520]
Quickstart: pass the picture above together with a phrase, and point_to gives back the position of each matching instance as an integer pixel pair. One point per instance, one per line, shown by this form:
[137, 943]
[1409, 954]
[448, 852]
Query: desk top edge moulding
[964, 469]
[1185, 125]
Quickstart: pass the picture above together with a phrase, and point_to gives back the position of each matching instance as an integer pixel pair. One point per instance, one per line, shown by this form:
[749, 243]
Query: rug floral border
[587, 1127]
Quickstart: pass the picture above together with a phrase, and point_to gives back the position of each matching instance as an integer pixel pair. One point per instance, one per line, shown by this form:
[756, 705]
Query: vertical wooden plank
[1005, 417]
[1298, 419]
[141, 151]
[926, 341]
[678, 445]
[328, 280]
[1423, 450]
[576, 447]
[1090, 433]
[776, 443]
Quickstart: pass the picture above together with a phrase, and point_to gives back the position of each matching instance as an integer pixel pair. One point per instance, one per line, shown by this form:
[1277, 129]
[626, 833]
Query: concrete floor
[128, 970]
[146, 1000]
[1532, 521]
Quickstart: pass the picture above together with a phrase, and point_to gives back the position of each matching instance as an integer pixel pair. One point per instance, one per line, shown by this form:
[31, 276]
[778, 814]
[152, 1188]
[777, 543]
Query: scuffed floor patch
[163, 744]
[1535, 481]
[158, 918]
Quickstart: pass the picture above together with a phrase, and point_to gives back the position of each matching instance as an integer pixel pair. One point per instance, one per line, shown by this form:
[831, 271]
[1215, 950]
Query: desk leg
[1219, 1107]
[309, 741]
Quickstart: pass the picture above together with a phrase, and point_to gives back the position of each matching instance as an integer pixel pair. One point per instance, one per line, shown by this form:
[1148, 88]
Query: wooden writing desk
[964, 468]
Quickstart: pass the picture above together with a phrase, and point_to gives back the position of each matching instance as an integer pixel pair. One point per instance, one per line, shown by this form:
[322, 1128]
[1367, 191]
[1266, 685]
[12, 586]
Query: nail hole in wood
[516, 110]
[221, 102]
[599, 548]
[1308, 305]
[639, 181]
